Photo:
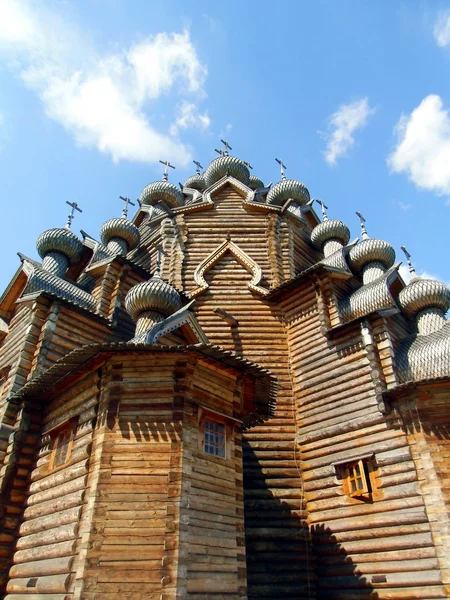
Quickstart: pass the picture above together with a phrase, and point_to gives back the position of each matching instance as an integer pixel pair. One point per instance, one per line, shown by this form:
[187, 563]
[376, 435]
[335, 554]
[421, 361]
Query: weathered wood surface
[338, 418]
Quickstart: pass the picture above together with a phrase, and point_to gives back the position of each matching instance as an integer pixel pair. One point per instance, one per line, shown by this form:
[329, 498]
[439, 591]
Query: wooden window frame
[355, 475]
[55, 437]
[211, 416]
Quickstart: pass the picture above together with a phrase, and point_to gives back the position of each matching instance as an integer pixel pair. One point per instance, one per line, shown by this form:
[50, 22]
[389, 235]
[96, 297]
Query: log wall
[278, 552]
[46, 545]
[382, 543]
[426, 422]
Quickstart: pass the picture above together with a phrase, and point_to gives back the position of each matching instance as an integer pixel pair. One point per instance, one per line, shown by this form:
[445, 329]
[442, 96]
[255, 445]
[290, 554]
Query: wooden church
[223, 398]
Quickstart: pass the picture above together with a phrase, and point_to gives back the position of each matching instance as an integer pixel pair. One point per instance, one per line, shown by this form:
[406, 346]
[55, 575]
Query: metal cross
[282, 167]
[363, 227]
[166, 170]
[247, 164]
[227, 147]
[125, 208]
[198, 165]
[74, 206]
[221, 152]
[324, 207]
[408, 260]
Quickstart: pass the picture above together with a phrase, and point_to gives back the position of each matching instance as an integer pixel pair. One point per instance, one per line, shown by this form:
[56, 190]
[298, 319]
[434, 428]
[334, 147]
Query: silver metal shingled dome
[196, 182]
[255, 182]
[331, 229]
[285, 189]
[424, 293]
[162, 191]
[371, 250]
[227, 165]
[120, 228]
[152, 295]
[61, 240]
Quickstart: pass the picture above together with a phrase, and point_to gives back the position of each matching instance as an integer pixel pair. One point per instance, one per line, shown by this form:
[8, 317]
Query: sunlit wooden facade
[255, 436]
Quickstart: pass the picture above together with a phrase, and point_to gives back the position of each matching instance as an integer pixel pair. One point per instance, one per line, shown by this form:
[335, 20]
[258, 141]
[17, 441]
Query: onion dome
[371, 257]
[424, 293]
[287, 189]
[151, 301]
[255, 183]
[330, 235]
[426, 299]
[369, 251]
[196, 182]
[227, 165]
[162, 191]
[59, 248]
[120, 235]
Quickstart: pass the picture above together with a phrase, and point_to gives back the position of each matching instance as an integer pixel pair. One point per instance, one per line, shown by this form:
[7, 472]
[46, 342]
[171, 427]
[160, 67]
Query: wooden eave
[12, 292]
[400, 390]
[82, 360]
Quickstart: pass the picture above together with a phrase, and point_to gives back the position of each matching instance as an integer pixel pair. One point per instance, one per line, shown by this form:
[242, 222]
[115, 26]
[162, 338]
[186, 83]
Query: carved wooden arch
[243, 259]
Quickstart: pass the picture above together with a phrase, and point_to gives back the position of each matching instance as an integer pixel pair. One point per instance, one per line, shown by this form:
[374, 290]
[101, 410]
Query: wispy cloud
[406, 275]
[341, 128]
[423, 146]
[404, 207]
[101, 100]
[189, 117]
[442, 29]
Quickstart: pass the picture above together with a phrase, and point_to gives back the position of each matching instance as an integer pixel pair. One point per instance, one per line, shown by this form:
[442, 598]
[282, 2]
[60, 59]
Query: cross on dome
[412, 270]
[363, 226]
[282, 168]
[167, 164]
[74, 207]
[323, 207]
[198, 165]
[227, 147]
[125, 208]
[247, 164]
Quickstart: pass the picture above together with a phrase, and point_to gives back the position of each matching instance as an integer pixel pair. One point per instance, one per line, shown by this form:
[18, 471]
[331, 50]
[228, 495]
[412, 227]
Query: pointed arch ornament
[243, 259]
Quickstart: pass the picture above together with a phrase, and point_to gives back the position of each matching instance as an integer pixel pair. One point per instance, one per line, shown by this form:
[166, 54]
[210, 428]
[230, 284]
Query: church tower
[224, 396]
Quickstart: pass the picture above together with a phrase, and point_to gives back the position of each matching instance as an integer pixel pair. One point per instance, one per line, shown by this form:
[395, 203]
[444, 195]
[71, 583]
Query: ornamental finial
[324, 207]
[248, 165]
[282, 167]
[75, 207]
[125, 208]
[363, 226]
[198, 165]
[227, 147]
[412, 270]
[167, 164]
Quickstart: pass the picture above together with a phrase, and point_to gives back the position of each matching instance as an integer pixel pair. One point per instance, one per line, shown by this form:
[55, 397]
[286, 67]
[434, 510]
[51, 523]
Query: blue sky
[352, 96]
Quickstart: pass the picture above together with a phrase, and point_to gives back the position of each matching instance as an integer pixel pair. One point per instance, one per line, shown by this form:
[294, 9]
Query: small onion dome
[120, 228]
[331, 229]
[196, 182]
[255, 183]
[152, 295]
[371, 250]
[60, 240]
[285, 189]
[227, 165]
[424, 293]
[162, 191]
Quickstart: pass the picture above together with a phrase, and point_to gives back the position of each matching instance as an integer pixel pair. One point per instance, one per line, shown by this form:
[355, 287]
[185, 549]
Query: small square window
[214, 438]
[61, 444]
[356, 478]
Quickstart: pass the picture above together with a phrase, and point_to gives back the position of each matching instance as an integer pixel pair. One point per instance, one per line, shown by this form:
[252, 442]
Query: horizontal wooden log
[52, 584]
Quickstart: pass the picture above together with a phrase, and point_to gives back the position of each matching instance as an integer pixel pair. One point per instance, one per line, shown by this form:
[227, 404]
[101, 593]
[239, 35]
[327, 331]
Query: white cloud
[189, 117]
[406, 275]
[342, 125]
[423, 146]
[442, 29]
[101, 100]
